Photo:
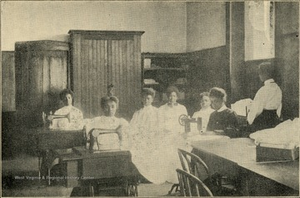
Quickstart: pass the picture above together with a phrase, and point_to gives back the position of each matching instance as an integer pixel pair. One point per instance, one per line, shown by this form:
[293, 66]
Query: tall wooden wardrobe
[41, 73]
[101, 58]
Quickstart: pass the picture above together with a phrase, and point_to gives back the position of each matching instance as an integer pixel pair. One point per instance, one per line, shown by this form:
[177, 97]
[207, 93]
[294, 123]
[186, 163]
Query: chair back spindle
[191, 185]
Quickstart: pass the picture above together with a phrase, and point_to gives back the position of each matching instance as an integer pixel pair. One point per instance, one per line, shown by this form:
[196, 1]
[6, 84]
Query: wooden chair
[190, 185]
[194, 165]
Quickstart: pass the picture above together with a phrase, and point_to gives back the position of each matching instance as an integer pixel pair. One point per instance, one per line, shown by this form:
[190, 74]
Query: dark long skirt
[267, 119]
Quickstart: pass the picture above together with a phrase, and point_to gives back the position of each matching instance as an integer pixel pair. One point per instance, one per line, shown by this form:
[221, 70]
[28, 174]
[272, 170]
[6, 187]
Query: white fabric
[108, 141]
[145, 119]
[153, 151]
[204, 114]
[75, 121]
[169, 118]
[268, 97]
[240, 107]
[286, 134]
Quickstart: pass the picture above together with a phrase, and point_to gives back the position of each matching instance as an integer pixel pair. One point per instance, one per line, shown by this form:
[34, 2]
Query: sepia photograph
[150, 98]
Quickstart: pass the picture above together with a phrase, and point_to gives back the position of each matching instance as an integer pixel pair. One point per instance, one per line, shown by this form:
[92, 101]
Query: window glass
[259, 30]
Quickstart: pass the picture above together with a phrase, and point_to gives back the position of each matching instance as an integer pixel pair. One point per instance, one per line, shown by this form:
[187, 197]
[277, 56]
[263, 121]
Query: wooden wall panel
[237, 50]
[41, 74]
[8, 82]
[287, 55]
[101, 58]
[208, 68]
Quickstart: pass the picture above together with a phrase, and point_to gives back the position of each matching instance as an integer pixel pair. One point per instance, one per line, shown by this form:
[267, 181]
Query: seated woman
[170, 112]
[109, 105]
[222, 118]
[74, 117]
[154, 153]
[69, 118]
[145, 120]
[205, 110]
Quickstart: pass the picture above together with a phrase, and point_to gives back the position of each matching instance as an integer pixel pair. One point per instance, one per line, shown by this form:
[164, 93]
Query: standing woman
[265, 109]
[74, 117]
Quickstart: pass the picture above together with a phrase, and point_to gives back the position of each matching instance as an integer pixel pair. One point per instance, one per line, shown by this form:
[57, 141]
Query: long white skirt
[156, 155]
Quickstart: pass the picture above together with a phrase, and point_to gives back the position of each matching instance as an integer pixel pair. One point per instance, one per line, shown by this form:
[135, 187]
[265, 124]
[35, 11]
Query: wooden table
[81, 167]
[237, 158]
[48, 140]
[58, 139]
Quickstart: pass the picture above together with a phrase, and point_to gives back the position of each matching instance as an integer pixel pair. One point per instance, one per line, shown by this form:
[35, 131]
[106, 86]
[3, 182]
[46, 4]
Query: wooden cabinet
[161, 70]
[101, 58]
[41, 73]
[8, 81]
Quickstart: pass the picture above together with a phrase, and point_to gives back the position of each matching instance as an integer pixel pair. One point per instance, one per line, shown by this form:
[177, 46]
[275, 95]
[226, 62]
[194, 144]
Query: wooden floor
[19, 180]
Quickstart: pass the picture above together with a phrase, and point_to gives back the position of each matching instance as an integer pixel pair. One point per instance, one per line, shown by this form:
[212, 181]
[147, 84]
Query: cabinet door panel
[41, 74]
[101, 58]
[91, 82]
[8, 81]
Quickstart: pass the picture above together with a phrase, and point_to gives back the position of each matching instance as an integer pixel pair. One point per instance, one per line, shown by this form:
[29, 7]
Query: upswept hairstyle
[148, 91]
[203, 94]
[218, 93]
[64, 93]
[171, 89]
[106, 99]
[267, 69]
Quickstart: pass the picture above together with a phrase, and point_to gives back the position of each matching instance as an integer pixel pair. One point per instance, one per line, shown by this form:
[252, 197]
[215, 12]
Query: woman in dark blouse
[223, 118]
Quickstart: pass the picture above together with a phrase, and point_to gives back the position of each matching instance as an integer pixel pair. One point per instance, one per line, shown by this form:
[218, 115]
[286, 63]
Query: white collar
[271, 80]
[222, 108]
[148, 107]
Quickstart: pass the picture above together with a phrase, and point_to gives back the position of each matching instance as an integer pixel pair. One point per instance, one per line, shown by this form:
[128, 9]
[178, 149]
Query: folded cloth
[285, 134]
[240, 107]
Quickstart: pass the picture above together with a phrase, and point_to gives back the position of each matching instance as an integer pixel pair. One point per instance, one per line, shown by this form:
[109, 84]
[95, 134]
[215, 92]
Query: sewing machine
[190, 124]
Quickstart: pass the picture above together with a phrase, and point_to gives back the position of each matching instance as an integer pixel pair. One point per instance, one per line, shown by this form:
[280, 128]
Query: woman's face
[205, 102]
[68, 100]
[216, 103]
[147, 100]
[173, 98]
[110, 109]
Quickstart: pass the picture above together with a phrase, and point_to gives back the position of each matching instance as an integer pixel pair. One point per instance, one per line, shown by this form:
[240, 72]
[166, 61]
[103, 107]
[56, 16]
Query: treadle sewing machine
[86, 165]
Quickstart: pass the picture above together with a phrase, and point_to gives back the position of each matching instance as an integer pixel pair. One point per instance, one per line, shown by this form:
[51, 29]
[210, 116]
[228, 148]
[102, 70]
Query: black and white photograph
[150, 98]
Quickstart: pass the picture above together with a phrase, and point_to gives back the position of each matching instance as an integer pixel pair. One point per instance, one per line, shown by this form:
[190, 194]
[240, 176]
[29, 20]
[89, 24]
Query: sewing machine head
[190, 124]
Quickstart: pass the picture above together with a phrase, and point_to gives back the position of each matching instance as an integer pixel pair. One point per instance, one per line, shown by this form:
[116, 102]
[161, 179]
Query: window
[259, 30]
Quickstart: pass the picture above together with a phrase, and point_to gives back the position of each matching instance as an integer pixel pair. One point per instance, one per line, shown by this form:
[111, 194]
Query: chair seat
[225, 189]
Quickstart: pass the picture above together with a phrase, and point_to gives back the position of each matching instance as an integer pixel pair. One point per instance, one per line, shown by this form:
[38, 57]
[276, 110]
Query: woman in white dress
[144, 139]
[110, 141]
[154, 148]
[205, 110]
[170, 112]
[74, 117]
[145, 120]
[172, 134]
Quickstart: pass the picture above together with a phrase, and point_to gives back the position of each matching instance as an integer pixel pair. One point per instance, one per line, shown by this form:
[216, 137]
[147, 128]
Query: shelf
[161, 70]
[164, 69]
